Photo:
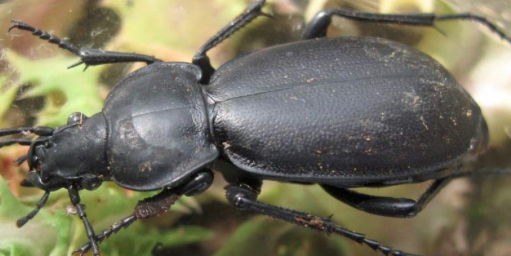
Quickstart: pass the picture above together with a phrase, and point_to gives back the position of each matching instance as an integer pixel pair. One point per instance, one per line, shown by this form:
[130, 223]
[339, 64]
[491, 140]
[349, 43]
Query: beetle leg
[154, 206]
[93, 57]
[145, 209]
[23, 220]
[387, 206]
[317, 27]
[75, 200]
[202, 60]
[245, 198]
[89, 57]
[124, 223]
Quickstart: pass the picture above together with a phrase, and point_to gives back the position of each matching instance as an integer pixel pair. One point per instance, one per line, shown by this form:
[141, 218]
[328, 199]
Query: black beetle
[340, 112]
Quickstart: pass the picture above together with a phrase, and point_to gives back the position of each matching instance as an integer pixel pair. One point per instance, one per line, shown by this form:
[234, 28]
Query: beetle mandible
[340, 112]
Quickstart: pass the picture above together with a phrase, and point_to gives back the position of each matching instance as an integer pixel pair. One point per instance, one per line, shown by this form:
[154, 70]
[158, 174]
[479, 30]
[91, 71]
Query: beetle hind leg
[387, 206]
[245, 198]
[89, 57]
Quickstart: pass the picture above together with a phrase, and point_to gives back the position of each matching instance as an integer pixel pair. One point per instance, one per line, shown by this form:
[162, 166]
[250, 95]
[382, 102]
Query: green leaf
[176, 34]
[143, 239]
[79, 88]
[10, 208]
[47, 234]
[7, 96]
[187, 235]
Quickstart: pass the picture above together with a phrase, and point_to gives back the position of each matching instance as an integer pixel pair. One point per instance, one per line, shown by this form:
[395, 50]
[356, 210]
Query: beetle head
[70, 155]
[74, 153]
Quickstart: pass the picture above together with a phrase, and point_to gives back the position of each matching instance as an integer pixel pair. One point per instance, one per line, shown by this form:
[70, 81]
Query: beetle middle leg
[319, 24]
[153, 206]
[244, 197]
[387, 206]
[202, 60]
[89, 57]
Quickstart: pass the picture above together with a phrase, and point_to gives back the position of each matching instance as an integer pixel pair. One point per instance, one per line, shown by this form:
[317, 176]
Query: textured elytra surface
[346, 111]
[158, 131]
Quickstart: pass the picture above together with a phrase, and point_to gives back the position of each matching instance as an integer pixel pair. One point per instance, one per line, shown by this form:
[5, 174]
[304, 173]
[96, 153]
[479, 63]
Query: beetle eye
[76, 118]
[91, 183]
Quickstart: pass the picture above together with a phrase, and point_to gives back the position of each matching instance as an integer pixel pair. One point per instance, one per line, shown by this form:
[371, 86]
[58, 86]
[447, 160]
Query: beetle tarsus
[124, 223]
[90, 57]
[145, 209]
[481, 20]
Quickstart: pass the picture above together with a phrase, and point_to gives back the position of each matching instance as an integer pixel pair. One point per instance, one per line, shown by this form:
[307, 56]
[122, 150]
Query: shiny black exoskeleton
[339, 112]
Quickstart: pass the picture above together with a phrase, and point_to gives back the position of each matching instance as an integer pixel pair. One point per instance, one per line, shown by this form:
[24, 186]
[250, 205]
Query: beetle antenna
[22, 221]
[24, 142]
[38, 130]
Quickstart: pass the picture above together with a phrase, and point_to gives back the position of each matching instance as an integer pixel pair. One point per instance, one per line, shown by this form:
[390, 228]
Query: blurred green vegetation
[469, 217]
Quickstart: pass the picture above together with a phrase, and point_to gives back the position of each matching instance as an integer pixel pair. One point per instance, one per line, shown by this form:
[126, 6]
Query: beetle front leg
[387, 206]
[89, 57]
[317, 27]
[244, 198]
[75, 200]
